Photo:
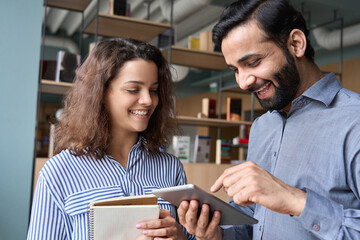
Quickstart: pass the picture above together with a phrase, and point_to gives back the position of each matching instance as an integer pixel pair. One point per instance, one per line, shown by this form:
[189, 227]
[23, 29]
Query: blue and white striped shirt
[67, 184]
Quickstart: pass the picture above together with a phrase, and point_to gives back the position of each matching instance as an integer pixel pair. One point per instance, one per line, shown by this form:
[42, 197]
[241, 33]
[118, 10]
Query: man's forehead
[250, 31]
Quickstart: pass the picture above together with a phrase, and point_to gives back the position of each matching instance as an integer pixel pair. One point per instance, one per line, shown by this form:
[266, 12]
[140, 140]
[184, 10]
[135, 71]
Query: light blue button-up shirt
[316, 148]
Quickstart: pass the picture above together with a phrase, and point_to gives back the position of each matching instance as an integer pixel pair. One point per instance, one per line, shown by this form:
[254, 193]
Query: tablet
[229, 214]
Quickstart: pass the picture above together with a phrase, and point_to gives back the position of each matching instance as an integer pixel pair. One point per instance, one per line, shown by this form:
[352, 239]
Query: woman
[116, 118]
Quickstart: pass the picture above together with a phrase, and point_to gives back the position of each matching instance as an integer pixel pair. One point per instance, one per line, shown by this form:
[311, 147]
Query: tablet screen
[229, 214]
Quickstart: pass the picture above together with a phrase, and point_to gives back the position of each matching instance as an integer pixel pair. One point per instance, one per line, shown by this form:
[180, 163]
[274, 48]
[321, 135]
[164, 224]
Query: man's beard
[288, 80]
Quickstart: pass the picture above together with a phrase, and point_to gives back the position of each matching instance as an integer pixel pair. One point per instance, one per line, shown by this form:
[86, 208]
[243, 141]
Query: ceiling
[194, 16]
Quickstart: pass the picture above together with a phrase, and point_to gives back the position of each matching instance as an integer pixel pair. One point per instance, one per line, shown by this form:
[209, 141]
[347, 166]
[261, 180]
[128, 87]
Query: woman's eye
[155, 91]
[133, 91]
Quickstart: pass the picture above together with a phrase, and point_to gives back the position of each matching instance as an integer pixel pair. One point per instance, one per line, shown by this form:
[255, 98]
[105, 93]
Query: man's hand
[247, 183]
[165, 227]
[200, 227]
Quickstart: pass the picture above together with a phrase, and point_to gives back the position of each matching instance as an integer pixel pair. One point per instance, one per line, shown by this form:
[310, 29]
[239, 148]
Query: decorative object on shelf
[223, 151]
[194, 42]
[66, 65]
[209, 107]
[233, 112]
[181, 147]
[178, 72]
[202, 149]
[206, 43]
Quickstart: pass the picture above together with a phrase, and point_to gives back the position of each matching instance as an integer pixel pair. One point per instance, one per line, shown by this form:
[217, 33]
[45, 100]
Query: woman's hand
[165, 227]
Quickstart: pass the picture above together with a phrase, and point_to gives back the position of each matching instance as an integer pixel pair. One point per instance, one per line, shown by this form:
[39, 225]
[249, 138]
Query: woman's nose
[145, 98]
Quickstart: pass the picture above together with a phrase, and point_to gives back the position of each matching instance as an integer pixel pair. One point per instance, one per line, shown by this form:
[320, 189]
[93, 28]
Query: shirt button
[316, 227]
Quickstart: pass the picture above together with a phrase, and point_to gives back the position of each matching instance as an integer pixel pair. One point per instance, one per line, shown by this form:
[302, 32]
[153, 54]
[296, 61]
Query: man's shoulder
[266, 116]
[347, 97]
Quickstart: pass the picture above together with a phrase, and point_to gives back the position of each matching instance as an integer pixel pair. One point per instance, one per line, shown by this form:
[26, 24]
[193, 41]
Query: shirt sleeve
[46, 221]
[329, 219]
[239, 232]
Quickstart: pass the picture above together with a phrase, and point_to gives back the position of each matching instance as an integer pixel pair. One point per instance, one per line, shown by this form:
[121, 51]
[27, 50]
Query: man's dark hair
[277, 18]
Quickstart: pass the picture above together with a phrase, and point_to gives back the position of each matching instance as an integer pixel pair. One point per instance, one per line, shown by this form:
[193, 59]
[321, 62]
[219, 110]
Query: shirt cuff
[321, 216]
[229, 232]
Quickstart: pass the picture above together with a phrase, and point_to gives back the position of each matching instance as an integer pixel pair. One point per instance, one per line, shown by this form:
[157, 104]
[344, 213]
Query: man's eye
[254, 63]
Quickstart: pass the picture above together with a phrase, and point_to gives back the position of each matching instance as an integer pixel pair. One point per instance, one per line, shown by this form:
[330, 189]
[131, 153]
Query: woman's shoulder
[168, 160]
[63, 164]
[166, 156]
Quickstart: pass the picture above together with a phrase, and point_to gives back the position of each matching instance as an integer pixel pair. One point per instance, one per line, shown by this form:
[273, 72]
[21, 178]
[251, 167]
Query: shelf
[126, 27]
[72, 5]
[196, 58]
[240, 145]
[210, 122]
[52, 87]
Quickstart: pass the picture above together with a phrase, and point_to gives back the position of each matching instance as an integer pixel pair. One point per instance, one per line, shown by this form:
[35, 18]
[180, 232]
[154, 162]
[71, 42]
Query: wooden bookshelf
[204, 176]
[52, 87]
[125, 27]
[72, 5]
[196, 58]
[210, 122]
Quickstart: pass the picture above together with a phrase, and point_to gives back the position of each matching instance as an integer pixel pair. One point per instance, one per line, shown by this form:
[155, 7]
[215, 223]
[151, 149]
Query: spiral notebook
[116, 218]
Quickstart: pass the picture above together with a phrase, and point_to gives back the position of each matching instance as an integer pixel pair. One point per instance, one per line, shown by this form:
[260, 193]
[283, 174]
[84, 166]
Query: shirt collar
[324, 90]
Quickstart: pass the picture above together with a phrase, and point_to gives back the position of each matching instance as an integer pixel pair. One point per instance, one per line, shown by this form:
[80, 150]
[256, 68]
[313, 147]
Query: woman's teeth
[141, 113]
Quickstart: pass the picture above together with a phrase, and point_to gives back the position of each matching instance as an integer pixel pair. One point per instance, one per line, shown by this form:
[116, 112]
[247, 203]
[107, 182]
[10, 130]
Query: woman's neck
[120, 147]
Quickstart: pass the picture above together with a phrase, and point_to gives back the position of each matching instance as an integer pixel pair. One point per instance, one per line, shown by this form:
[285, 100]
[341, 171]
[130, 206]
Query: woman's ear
[297, 43]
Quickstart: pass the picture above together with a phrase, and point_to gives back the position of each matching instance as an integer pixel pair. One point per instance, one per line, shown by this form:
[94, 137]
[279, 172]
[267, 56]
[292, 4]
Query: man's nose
[245, 81]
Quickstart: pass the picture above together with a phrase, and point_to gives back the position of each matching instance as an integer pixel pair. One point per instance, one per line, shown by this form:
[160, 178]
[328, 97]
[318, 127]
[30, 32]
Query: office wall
[20, 27]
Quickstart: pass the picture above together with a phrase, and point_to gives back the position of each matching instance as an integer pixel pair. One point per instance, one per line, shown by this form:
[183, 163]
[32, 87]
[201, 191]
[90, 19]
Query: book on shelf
[119, 7]
[223, 151]
[194, 42]
[206, 43]
[245, 131]
[233, 111]
[202, 149]
[116, 218]
[48, 69]
[181, 147]
[209, 107]
[66, 65]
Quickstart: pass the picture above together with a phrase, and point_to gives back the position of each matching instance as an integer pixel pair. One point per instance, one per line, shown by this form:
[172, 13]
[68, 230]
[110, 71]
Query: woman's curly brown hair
[84, 127]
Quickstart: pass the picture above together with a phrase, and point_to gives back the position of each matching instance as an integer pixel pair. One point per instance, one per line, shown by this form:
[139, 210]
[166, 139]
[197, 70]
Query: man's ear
[297, 43]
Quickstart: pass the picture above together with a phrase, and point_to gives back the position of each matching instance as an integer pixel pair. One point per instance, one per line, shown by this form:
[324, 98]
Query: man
[302, 177]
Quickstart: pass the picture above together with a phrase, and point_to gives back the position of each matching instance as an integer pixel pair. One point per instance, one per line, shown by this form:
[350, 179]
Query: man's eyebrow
[244, 58]
[248, 56]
